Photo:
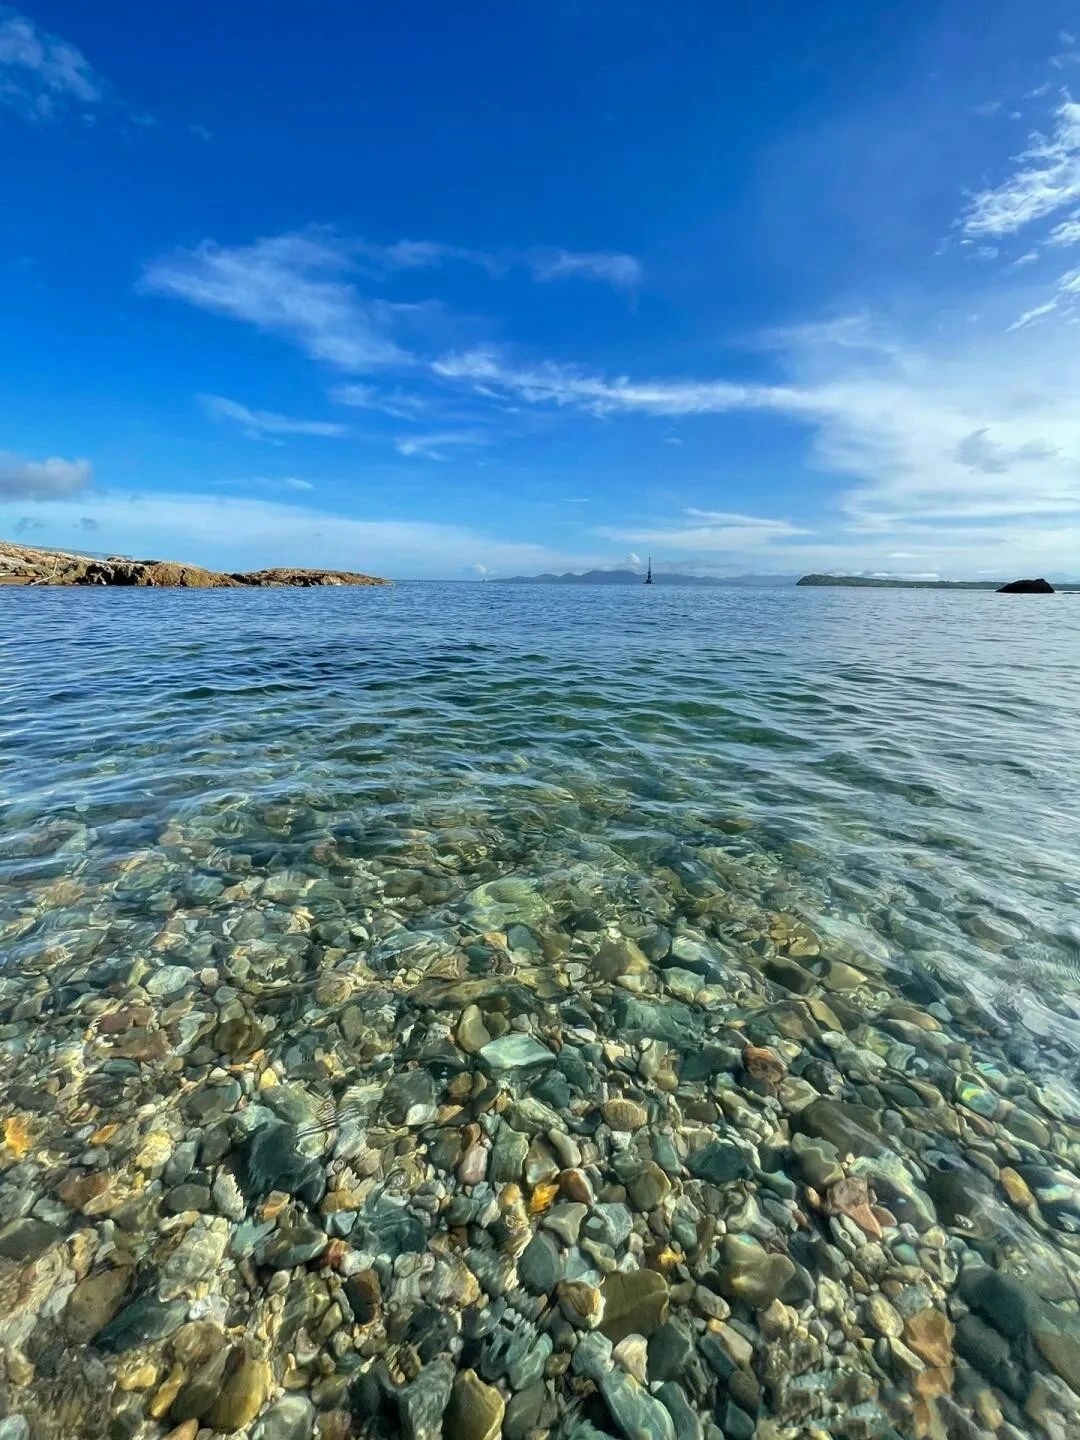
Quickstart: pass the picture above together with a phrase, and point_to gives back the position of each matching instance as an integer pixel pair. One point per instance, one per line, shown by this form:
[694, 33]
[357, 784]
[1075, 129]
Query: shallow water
[304, 798]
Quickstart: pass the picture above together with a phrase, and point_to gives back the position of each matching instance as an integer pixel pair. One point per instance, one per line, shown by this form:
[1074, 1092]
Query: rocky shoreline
[25, 565]
[302, 1169]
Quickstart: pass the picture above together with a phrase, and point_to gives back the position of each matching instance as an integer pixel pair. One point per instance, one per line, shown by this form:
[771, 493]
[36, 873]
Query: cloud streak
[266, 424]
[430, 447]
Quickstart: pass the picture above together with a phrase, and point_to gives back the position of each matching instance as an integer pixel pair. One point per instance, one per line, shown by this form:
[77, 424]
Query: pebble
[475, 1411]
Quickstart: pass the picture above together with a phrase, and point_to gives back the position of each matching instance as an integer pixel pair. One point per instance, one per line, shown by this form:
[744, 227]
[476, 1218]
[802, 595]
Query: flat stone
[635, 1412]
[623, 1114]
[540, 1265]
[291, 1418]
[508, 1155]
[243, 1397]
[749, 1273]
[409, 1099]
[268, 1160]
[516, 1051]
[671, 1348]
[472, 1034]
[564, 1220]
[292, 1245]
[610, 1224]
[930, 1334]
[853, 1129]
[144, 1320]
[719, 1164]
[817, 1162]
[684, 1418]
[27, 1239]
[168, 980]
[197, 1256]
[475, 1411]
[648, 1188]
[523, 1412]
[93, 1303]
[635, 1303]
[422, 1403]
[580, 1303]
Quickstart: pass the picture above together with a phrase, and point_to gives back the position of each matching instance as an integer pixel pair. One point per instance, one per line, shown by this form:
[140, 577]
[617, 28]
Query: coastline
[30, 566]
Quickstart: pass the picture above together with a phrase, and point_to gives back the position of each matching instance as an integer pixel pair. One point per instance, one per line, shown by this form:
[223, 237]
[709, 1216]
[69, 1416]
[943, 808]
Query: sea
[391, 875]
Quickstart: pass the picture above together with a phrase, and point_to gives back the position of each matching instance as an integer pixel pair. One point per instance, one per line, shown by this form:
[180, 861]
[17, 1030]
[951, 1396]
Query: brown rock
[930, 1334]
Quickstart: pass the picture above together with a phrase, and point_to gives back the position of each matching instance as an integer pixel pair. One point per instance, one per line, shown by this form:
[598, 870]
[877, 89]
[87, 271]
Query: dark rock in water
[391, 1230]
[719, 1164]
[539, 1267]
[989, 1353]
[671, 1349]
[145, 1319]
[268, 1160]
[685, 1419]
[853, 1128]
[291, 1245]
[672, 1022]
[27, 1239]
[93, 1303]
[422, 1402]
[1026, 587]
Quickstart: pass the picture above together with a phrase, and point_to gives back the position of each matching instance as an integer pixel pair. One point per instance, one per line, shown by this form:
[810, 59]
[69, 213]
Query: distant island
[877, 583]
[25, 565]
[632, 577]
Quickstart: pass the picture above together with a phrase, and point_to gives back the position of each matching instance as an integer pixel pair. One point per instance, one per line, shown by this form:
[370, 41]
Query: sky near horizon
[448, 291]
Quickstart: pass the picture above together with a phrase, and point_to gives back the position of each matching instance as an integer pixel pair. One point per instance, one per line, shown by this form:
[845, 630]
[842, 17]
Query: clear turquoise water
[261, 853]
[907, 764]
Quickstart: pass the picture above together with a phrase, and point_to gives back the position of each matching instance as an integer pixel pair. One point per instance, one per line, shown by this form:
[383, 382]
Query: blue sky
[445, 290]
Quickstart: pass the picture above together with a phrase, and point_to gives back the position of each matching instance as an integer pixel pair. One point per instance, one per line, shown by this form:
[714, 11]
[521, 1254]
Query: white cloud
[567, 386]
[290, 285]
[52, 479]
[611, 268]
[1046, 177]
[292, 483]
[633, 559]
[545, 262]
[401, 404]
[200, 132]
[1067, 233]
[704, 531]
[41, 75]
[430, 447]
[265, 424]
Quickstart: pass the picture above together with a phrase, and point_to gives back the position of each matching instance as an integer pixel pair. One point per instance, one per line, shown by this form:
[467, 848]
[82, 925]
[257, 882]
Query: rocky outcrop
[24, 565]
[1027, 587]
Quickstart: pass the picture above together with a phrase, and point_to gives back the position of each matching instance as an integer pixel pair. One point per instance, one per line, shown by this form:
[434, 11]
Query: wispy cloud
[401, 404]
[567, 386]
[52, 479]
[707, 531]
[290, 285]
[1046, 177]
[430, 447]
[265, 424]
[41, 75]
[609, 267]
[545, 262]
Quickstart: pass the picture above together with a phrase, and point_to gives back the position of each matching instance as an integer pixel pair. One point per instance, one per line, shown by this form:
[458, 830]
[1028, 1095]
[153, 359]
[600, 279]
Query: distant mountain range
[632, 577]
